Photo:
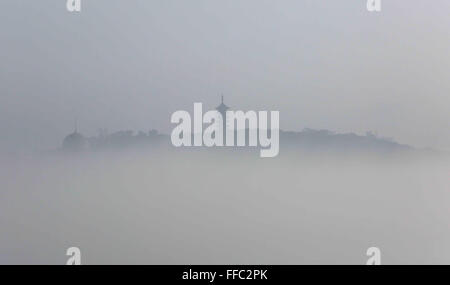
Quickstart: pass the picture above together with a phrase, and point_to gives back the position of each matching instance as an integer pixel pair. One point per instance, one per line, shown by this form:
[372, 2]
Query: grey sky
[130, 64]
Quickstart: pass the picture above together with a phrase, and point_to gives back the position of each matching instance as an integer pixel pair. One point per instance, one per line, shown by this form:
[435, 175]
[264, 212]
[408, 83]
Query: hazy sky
[129, 64]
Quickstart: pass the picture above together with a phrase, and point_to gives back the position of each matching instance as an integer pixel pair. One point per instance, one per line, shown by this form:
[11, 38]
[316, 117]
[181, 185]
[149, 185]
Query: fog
[208, 207]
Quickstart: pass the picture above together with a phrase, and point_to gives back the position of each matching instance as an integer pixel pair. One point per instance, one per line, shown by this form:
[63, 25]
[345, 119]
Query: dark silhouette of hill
[308, 140]
[325, 140]
[127, 139]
